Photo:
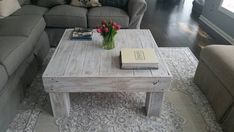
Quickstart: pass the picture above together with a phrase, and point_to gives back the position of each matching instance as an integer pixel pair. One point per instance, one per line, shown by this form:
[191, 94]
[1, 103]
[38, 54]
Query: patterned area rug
[120, 112]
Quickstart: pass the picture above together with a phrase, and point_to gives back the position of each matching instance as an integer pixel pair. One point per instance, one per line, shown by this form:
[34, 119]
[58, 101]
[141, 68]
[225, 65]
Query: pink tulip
[114, 24]
[107, 26]
[99, 30]
[103, 22]
[106, 30]
[118, 26]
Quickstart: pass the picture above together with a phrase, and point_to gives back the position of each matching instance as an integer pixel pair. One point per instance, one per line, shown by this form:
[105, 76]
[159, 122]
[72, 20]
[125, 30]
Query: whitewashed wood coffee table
[83, 66]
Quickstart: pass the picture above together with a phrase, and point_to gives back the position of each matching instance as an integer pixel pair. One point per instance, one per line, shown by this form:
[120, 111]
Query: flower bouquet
[108, 30]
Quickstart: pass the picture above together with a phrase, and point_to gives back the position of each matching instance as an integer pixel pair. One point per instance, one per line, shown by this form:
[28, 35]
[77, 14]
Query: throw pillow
[115, 3]
[49, 3]
[85, 3]
[7, 7]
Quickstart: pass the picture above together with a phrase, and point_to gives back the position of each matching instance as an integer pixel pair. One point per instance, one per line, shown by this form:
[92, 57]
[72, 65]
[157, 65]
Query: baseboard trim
[217, 30]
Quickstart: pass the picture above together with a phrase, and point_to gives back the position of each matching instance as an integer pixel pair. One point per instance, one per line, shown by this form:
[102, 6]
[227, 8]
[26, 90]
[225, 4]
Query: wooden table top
[74, 58]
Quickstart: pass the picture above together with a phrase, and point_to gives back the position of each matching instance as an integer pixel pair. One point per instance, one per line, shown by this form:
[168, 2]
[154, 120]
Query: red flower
[106, 30]
[116, 26]
[108, 27]
[99, 30]
[104, 22]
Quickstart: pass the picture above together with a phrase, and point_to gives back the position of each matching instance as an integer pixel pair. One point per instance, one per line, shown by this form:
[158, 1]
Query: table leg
[153, 103]
[60, 103]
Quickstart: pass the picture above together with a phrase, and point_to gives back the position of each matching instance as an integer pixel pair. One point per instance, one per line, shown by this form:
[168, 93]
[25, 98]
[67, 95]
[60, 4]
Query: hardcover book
[138, 58]
[81, 34]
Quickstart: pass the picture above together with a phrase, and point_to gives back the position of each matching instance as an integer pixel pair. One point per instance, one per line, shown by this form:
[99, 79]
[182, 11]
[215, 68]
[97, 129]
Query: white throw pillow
[7, 7]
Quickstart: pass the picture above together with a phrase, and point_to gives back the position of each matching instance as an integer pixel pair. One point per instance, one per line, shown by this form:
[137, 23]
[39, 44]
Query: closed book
[139, 58]
[82, 38]
[81, 34]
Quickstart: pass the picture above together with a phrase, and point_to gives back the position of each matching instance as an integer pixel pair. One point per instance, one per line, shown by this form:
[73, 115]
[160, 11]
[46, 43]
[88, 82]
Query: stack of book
[81, 34]
[138, 58]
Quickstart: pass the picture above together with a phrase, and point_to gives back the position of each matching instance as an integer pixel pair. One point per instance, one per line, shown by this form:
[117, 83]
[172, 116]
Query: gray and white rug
[121, 112]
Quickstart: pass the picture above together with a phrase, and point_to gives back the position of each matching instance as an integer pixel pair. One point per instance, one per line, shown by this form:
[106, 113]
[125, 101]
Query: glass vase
[108, 42]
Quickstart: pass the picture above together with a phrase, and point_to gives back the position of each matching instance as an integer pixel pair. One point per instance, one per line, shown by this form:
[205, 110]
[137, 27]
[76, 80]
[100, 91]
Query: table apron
[108, 84]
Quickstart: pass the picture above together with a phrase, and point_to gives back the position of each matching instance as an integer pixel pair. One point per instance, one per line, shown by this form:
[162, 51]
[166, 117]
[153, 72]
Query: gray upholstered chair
[215, 77]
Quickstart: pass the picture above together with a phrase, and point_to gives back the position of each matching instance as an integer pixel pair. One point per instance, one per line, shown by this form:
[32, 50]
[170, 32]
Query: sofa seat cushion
[3, 77]
[21, 25]
[97, 14]
[30, 10]
[66, 16]
[220, 60]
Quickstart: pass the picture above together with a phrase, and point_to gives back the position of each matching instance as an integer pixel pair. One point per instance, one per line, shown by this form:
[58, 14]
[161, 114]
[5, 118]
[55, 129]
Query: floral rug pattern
[119, 112]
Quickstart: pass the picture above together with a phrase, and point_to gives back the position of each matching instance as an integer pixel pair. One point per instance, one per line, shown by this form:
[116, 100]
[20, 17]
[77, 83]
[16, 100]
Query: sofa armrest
[136, 10]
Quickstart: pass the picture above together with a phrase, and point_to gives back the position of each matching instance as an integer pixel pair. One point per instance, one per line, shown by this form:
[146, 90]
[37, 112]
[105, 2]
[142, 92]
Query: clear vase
[108, 42]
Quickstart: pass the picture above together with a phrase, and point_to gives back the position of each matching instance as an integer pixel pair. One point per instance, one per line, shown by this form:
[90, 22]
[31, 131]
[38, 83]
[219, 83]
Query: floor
[173, 24]
[185, 108]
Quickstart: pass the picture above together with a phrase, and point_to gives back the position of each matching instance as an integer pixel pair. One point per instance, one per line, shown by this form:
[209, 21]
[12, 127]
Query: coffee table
[83, 66]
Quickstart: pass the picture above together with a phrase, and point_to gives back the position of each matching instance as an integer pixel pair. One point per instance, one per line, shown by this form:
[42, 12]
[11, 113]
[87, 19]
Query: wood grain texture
[83, 66]
[86, 63]
[153, 103]
[106, 84]
[60, 103]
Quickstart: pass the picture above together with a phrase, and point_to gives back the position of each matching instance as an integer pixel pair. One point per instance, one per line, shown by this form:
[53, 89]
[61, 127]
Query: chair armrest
[136, 10]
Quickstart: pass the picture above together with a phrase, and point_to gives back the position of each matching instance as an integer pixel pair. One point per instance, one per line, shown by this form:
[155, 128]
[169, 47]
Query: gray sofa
[26, 36]
[60, 17]
[215, 77]
[23, 46]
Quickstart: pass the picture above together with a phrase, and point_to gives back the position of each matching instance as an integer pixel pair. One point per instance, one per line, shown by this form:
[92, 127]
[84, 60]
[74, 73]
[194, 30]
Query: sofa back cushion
[24, 2]
[66, 16]
[49, 3]
[115, 3]
[7, 7]
[85, 3]
[30, 10]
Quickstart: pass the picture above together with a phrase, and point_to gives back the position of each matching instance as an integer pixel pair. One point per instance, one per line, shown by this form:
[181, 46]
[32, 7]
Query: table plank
[106, 84]
[88, 59]
[75, 65]
[60, 59]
